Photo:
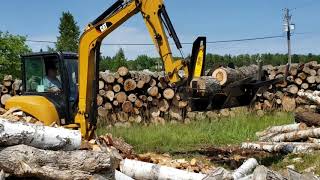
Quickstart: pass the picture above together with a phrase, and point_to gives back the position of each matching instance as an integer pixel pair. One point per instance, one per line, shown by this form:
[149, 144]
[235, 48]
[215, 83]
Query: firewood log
[287, 147]
[293, 89]
[293, 69]
[296, 135]
[127, 106]
[120, 80]
[175, 113]
[129, 85]
[155, 112]
[302, 76]
[153, 91]
[116, 88]
[26, 161]
[269, 96]
[226, 75]
[142, 170]
[152, 82]
[102, 92]
[138, 103]
[140, 84]
[261, 172]
[110, 95]
[99, 100]
[163, 105]
[288, 103]
[207, 85]
[309, 118]
[4, 98]
[115, 103]
[123, 71]
[120, 176]
[43, 137]
[108, 106]
[16, 85]
[121, 97]
[4, 90]
[311, 79]
[7, 78]
[168, 93]
[132, 98]
[309, 96]
[304, 85]
[143, 98]
[102, 112]
[109, 78]
[298, 81]
[317, 78]
[101, 84]
[245, 169]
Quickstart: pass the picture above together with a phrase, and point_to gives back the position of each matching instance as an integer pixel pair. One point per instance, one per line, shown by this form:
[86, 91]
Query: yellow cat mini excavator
[73, 103]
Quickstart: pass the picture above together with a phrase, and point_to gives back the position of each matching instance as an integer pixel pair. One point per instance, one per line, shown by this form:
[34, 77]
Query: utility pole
[288, 27]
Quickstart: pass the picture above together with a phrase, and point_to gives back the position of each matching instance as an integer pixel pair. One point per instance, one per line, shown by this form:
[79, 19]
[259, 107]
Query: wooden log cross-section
[26, 161]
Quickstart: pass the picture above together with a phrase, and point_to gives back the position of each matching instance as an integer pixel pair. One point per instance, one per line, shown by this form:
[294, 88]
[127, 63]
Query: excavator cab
[50, 81]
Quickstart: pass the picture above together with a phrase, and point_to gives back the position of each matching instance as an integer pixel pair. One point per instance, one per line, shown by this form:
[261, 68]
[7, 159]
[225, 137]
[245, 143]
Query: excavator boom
[156, 19]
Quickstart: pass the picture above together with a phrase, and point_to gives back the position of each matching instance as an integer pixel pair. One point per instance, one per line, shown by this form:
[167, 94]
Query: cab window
[42, 74]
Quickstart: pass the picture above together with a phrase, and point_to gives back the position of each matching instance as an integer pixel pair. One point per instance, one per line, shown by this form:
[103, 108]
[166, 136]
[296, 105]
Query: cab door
[37, 80]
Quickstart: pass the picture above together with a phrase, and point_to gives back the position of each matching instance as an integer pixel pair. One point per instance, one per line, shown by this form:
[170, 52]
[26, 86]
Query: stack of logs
[9, 88]
[284, 95]
[134, 96]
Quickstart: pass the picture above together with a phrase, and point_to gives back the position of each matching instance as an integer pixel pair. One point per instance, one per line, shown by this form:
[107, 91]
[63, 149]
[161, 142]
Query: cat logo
[105, 26]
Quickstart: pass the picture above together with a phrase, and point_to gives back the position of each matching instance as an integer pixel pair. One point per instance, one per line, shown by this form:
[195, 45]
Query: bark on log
[282, 129]
[38, 136]
[296, 135]
[141, 170]
[120, 176]
[207, 85]
[163, 105]
[309, 118]
[262, 173]
[284, 147]
[309, 96]
[246, 168]
[26, 161]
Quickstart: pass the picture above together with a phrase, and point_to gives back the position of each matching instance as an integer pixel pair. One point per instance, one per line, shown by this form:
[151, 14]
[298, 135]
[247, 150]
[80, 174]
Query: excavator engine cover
[38, 106]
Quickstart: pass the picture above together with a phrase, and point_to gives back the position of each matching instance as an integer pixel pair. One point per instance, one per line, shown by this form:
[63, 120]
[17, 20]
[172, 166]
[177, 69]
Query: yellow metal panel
[37, 106]
[199, 63]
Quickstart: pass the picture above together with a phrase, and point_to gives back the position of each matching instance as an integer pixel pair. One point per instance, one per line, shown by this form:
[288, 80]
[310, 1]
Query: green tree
[11, 47]
[69, 33]
[119, 60]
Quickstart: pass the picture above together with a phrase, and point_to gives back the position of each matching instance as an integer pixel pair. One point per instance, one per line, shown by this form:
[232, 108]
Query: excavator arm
[156, 20]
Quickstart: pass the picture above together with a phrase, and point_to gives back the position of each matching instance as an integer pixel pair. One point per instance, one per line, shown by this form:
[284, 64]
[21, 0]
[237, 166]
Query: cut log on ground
[38, 136]
[26, 161]
[288, 103]
[245, 169]
[309, 96]
[296, 135]
[283, 147]
[309, 118]
[282, 129]
[149, 171]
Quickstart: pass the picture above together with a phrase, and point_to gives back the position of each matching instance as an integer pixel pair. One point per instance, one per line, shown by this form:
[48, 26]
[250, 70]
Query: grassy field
[188, 137]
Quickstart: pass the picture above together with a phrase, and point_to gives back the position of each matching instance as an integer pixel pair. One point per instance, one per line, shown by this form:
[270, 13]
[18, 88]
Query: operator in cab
[51, 82]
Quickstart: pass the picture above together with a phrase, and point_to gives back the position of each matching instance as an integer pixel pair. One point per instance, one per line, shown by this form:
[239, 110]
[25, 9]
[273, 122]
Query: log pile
[138, 97]
[285, 95]
[303, 136]
[9, 87]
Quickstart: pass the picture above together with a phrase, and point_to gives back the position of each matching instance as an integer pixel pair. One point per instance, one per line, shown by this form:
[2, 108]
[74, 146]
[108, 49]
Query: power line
[186, 43]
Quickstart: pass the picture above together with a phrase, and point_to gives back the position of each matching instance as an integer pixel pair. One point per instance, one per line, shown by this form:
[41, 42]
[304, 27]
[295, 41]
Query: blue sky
[216, 19]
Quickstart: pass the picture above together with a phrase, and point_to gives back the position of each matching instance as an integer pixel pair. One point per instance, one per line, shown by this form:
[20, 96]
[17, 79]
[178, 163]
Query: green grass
[300, 161]
[188, 137]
